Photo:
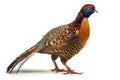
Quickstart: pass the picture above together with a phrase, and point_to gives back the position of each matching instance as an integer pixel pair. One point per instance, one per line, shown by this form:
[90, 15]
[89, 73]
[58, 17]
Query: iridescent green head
[87, 10]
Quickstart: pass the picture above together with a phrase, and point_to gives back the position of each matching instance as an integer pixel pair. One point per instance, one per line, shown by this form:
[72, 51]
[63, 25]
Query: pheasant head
[85, 12]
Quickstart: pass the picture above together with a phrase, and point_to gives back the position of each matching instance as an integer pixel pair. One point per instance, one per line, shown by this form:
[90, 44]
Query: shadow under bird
[64, 41]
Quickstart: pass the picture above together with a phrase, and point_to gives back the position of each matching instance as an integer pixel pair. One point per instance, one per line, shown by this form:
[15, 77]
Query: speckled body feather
[61, 42]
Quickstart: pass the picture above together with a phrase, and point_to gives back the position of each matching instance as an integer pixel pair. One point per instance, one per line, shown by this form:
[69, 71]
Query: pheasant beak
[96, 11]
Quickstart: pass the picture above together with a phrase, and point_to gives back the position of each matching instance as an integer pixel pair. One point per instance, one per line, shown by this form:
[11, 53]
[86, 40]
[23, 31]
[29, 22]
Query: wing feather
[57, 38]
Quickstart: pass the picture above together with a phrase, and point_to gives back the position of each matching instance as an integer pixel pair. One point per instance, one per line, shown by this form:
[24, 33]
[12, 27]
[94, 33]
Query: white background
[24, 22]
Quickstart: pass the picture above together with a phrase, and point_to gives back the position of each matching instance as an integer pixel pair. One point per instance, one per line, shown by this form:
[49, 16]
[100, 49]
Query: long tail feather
[22, 58]
[23, 62]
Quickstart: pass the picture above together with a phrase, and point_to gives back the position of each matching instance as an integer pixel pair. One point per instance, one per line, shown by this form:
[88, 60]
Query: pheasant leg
[69, 71]
[57, 68]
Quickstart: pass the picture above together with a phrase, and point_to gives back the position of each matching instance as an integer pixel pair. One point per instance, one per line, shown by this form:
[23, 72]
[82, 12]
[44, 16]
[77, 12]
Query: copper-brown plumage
[84, 32]
[63, 41]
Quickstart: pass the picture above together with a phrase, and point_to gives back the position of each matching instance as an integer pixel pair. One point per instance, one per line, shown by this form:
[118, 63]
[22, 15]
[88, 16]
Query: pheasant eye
[89, 8]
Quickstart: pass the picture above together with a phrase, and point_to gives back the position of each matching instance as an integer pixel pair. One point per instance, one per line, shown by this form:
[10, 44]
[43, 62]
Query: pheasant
[64, 42]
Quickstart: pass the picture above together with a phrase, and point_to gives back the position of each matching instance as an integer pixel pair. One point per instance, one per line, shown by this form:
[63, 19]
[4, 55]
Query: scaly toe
[58, 70]
[73, 72]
